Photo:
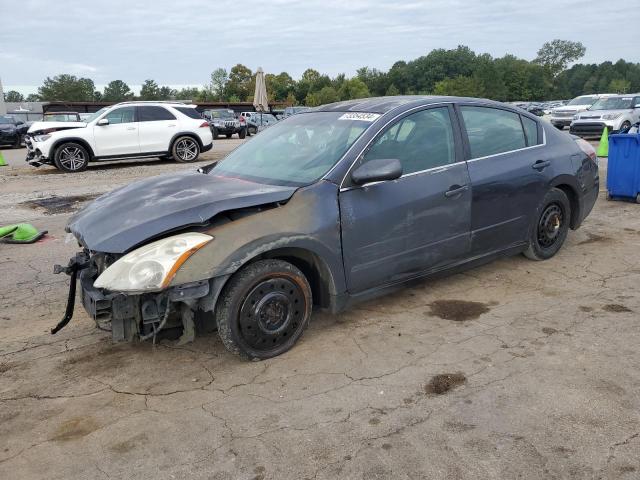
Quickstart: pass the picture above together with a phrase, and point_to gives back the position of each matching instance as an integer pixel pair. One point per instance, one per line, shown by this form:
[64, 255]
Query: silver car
[563, 116]
[614, 113]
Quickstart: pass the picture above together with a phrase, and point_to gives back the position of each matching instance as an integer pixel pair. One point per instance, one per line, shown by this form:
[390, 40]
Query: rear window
[530, 130]
[154, 114]
[492, 131]
[189, 112]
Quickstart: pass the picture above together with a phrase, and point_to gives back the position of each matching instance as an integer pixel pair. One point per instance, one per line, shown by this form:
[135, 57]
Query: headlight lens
[611, 116]
[153, 266]
[41, 138]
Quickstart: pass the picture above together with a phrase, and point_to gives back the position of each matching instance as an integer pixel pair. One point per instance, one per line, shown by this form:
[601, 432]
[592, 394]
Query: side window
[154, 114]
[636, 103]
[121, 115]
[420, 141]
[530, 130]
[492, 131]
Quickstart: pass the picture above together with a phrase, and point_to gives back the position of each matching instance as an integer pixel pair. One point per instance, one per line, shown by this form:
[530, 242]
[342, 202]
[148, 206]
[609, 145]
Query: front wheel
[552, 226]
[264, 309]
[71, 157]
[185, 149]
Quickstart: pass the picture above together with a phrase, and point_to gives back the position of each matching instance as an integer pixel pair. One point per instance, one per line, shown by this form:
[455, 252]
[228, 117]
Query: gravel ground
[517, 369]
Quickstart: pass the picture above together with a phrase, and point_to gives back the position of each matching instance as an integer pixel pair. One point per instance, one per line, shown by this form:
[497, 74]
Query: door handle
[171, 125]
[541, 165]
[455, 190]
[131, 128]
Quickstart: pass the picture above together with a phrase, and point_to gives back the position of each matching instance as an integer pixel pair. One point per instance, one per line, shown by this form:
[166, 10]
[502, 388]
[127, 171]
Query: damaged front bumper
[35, 157]
[131, 316]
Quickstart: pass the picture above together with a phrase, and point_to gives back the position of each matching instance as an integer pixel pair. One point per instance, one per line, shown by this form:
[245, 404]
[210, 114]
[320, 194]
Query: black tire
[264, 309]
[19, 142]
[242, 133]
[551, 226]
[71, 157]
[215, 133]
[185, 149]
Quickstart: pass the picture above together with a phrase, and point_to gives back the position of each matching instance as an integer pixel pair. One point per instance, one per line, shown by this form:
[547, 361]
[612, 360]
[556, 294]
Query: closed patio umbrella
[260, 101]
[3, 107]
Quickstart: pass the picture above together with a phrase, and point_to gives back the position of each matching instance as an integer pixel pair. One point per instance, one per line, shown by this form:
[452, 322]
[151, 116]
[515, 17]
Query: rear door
[394, 230]
[120, 136]
[157, 127]
[510, 172]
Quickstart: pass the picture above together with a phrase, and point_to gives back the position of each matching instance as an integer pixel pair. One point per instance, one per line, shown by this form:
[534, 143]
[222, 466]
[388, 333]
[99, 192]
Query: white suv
[563, 116]
[124, 130]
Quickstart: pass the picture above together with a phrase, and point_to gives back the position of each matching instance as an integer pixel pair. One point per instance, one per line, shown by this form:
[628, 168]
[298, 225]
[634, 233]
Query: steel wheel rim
[72, 158]
[187, 149]
[271, 313]
[550, 225]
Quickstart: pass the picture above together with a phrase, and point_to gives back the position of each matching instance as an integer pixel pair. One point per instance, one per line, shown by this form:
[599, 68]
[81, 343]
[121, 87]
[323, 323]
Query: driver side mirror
[377, 171]
[103, 121]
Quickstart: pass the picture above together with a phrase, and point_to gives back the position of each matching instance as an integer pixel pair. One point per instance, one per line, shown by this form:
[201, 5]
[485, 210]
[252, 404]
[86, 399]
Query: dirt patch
[616, 308]
[458, 310]
[96, 360]
[5, 367]
[595, 238]
[386, 446]
[129, 444]
[75, 428]
[585, 309]
[549, 330]
[55, 205]
[458, 427]
[442, 383]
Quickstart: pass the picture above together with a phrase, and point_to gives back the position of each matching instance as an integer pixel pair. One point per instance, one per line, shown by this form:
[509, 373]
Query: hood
[141, 211]
[54, 126]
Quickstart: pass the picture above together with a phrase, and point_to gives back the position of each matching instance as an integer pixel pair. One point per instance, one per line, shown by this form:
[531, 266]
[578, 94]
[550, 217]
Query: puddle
[444, 382]
[458, 310]
[55, 205]
[616, 308]
[595, 238]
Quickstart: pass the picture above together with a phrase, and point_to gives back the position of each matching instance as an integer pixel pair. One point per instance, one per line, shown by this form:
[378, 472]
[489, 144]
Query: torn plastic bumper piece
[77, 263]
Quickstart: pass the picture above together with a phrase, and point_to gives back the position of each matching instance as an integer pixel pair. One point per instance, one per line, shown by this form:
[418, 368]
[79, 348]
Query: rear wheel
[185, 150]
[551, 228]
[242, 133]
[264, 309]
[215, 133]
[71, 157]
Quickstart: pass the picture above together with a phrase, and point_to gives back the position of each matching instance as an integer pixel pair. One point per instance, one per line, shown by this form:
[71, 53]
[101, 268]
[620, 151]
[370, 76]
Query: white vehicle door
[157, 127]
[120, 136]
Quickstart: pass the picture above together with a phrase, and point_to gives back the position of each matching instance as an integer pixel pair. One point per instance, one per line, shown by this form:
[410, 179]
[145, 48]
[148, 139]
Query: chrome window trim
[544, 143]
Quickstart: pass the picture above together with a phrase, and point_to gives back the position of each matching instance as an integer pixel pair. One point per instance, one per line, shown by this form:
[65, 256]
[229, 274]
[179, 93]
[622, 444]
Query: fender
[79, 140]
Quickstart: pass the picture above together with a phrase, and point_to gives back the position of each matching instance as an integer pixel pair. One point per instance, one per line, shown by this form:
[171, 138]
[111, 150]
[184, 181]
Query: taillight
[204, 125]
[587, 148]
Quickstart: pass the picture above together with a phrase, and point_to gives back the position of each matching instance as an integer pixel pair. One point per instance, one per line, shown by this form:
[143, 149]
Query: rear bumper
[206, 148]
[564, 122]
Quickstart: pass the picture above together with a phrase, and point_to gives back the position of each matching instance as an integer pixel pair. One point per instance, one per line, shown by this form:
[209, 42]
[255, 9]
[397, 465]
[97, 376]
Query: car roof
[386, 104]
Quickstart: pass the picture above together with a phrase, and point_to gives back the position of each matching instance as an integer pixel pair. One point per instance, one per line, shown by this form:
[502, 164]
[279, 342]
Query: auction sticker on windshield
[365, 117]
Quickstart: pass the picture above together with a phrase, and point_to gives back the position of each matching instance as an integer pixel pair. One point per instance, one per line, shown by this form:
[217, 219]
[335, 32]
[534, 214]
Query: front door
[395, 230]
[120, 136]
[157, 126]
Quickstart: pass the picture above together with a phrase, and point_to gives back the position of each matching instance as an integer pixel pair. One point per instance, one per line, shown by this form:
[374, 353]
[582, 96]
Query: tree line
[458, 71]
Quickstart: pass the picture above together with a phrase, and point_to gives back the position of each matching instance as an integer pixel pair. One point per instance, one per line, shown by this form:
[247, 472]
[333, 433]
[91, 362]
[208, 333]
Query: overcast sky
[179, 42]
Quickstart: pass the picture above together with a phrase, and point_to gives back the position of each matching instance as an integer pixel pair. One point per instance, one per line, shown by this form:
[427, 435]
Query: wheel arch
[568, 185]
[185, 134]
[79, 140]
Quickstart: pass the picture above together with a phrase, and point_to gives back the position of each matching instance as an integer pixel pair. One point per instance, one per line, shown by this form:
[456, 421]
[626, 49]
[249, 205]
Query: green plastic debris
[20, 233]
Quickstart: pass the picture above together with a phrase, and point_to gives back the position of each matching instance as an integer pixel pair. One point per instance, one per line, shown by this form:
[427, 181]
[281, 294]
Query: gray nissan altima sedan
[324, 209]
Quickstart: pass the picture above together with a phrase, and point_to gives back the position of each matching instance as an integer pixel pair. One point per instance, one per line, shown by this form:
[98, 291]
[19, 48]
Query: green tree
[67, 88]
[459, 86]
[557, 54]
[392, 90]
[218, 83]
[240, 82]
[117, 91]
[32, 97]
[279, 86]
[167, 93]
[353, 88]
[189, 93]
[619, 85]
[149, 90]
[324, 96]
[13, 96]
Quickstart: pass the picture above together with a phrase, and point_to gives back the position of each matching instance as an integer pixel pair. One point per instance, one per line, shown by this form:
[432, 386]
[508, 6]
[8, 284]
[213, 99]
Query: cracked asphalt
[540, 363]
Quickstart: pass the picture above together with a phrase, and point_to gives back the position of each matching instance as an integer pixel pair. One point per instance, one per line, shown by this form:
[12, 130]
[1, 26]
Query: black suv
[223, 121]
[12, 131]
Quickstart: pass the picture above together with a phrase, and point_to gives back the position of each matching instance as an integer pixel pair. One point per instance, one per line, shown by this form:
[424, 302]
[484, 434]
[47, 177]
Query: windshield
[583, 100]
[221, 114]
[294, 152]
[93, 116]
[613, 103]
[61, 117]
[7, 120]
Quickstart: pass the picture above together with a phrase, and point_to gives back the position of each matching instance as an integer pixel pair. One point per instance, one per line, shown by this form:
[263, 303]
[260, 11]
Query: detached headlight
[41, 138]
[611, 116]
[153, 266]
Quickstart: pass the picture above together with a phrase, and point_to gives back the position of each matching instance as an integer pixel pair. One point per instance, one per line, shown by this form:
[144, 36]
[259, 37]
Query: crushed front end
[130, 316]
